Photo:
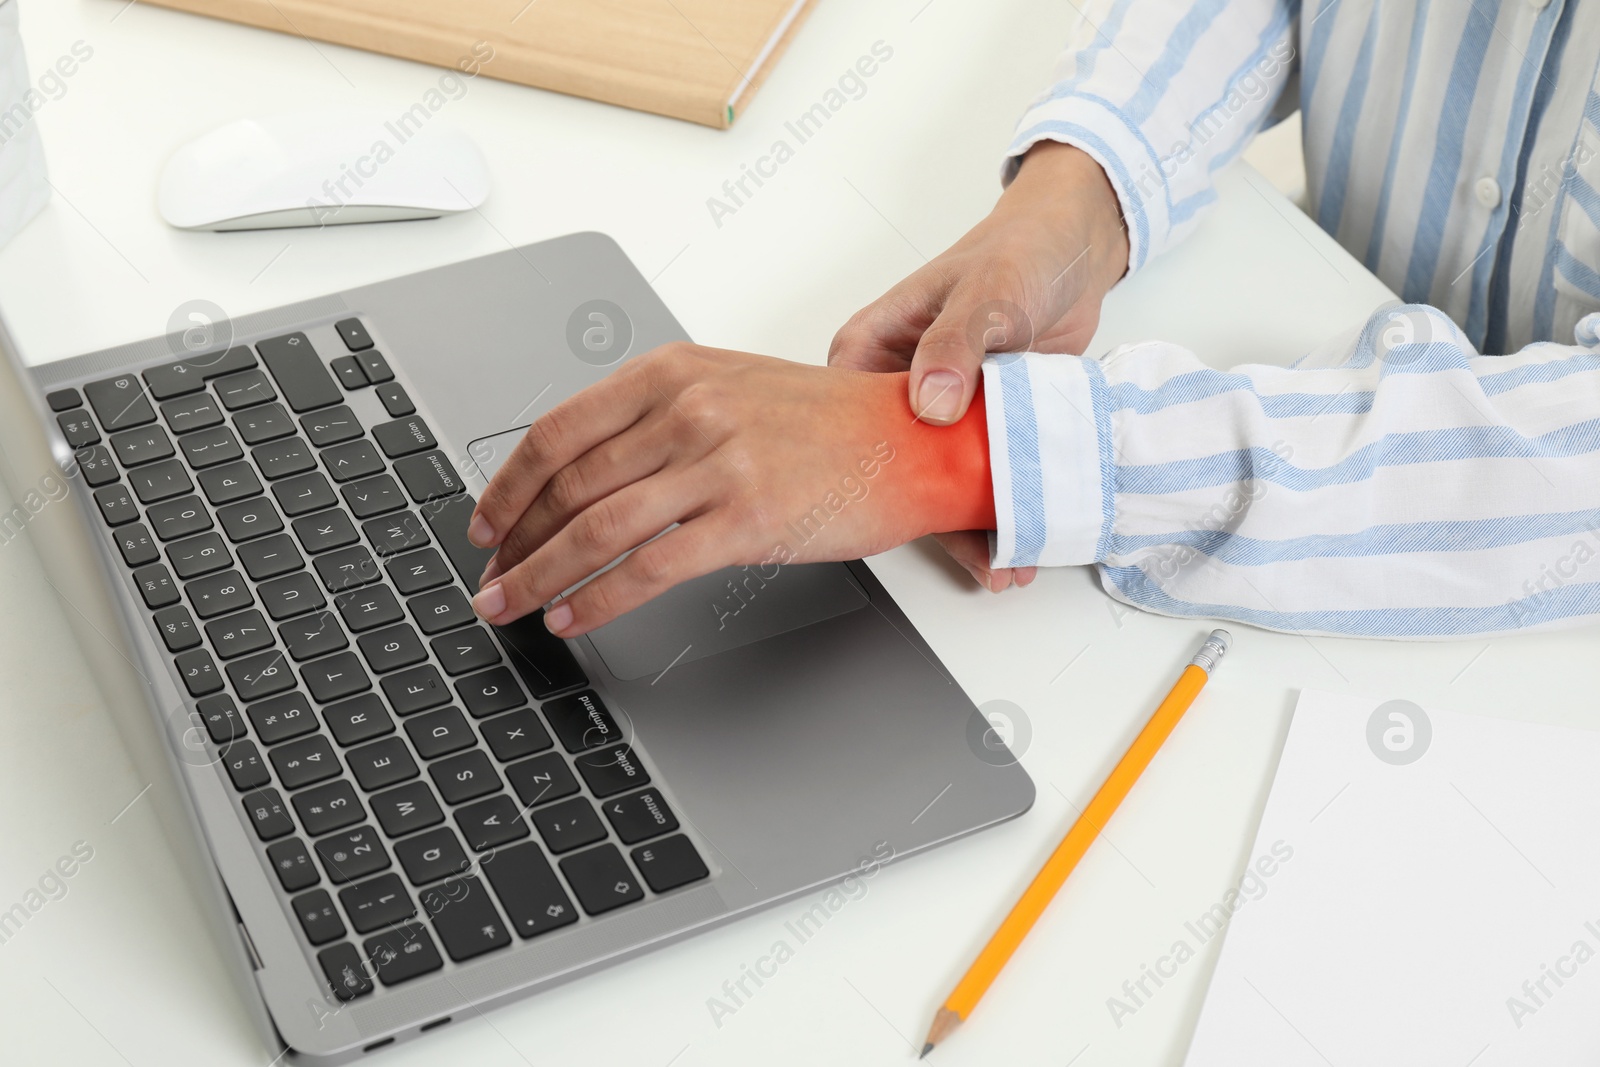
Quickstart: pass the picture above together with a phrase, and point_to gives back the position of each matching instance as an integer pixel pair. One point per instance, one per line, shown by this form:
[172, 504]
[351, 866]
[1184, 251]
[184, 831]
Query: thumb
[945, 368]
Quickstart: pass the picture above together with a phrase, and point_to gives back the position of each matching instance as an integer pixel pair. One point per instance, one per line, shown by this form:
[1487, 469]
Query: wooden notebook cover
[683, 58]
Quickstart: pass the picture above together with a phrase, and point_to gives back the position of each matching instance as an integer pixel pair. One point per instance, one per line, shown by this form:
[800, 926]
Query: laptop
[398, 816]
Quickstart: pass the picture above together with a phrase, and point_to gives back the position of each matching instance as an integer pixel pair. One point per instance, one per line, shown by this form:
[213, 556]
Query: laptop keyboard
[416, 778]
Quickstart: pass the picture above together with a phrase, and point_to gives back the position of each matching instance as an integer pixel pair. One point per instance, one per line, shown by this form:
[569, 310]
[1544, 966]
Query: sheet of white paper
[1439, 903]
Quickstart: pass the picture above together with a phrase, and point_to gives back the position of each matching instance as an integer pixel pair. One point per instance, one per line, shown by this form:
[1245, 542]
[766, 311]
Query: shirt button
[1487, 190]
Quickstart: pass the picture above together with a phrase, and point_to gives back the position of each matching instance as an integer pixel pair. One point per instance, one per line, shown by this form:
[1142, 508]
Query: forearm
[1431, 493]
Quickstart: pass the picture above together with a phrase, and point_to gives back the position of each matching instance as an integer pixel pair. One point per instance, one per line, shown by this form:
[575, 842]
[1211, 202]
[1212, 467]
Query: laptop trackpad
[724, 610]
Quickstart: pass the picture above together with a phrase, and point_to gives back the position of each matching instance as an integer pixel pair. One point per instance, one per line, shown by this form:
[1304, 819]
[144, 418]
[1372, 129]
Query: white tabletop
[118, 971]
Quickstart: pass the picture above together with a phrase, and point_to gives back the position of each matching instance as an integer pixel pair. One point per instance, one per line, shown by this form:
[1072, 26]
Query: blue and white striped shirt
[1395, 483]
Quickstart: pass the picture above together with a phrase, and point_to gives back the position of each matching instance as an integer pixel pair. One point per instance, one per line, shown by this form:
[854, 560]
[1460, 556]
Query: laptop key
[285, 598]
[177, 627]
[346, 568]
[331, 807]
[208, 448]
[199, 672]
[568, 825]
[191, 413]
[265, 423]
[541, 779]
[279, 459]
[443, 609]
[465, 918]
[221, 717]
[186, 375]
[218, 594]
[160, 481]
[390, 649]
[431, 856]
[292, 863]
[440, 733]
[281, 718]
[640, 815]
[62, 399]
[313, 635]
[179, 518]
[611, 770]
[529, 890]
[116, 506]
[249, 518]
[490, 823]
[224, 485]
[156, 586]
[97, 466]
[245, 389]
[382, 764]
[239, 634]
[428, 475]
[354, 334]
[406, 809]
[352, 854]
[602, 879]
[324, 531]
[416, 571]
[334, 677]
[464, 650]
[305, 762]
[259, 676]
[403, 436]
[581, 721]
[464, 777]
[318, 917]
[401, 954]
[396, 401]
[358, 719]
[395, 533]
[415, 690]
[542, 659]
[516, 735]
[342, 966]
[268, 557]
[136, 545]
[243, 762]
[195, 556]
[331, 426]
[304, 493]
[372, 496]
[377, 902]
[299, 372]
[78, 428]
[376, 367]
[349, 373]
[669, 863]
[368, 608]
[143, 445]
[119, 402]
[267, 814]
[352, 460]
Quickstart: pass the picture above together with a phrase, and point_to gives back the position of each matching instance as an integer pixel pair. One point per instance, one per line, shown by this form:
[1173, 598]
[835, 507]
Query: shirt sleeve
[1394, 484]
[1162, 93]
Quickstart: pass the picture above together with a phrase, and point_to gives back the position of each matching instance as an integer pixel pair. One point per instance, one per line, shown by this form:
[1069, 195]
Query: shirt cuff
[1050, 458]
[1122, 150]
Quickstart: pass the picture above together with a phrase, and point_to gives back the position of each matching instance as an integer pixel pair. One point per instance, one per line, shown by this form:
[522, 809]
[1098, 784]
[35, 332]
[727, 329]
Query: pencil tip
[925, 1050]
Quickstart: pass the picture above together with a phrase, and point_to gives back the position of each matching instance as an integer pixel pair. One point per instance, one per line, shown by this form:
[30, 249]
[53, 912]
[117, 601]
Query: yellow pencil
[1054, 873]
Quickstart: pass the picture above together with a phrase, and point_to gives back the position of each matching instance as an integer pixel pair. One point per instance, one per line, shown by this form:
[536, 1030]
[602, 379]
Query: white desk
[117, 972]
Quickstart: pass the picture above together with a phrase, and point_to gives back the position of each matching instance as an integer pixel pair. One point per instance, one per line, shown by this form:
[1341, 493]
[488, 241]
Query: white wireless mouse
[322, 169]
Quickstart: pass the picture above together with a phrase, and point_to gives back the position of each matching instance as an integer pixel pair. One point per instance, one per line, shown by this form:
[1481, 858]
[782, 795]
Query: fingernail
[939, 396]
[479, 532]
[490, 573]
[558, 618]
[490, 603]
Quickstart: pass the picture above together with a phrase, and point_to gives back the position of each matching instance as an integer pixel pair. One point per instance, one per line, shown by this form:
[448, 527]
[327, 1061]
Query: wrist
[1062, 192]
[943, 478]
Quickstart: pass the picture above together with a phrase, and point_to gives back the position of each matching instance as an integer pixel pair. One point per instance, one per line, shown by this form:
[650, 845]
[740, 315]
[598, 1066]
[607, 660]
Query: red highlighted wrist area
[947, 482]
